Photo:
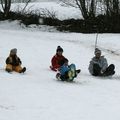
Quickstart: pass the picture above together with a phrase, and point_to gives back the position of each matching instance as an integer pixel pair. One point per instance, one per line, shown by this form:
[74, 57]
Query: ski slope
[37, 95]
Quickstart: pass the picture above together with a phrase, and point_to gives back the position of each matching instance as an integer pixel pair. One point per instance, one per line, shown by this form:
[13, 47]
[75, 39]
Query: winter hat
[97, 51]
[59, 49]
[13, 51]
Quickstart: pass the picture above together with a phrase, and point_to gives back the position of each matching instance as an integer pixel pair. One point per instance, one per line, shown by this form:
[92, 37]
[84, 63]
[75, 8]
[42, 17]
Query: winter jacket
[102, 62]
[13, 60]
[64, 69]
[56, 60]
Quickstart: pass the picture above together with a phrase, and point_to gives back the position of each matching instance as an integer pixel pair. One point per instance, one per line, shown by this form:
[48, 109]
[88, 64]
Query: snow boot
[58, 76]
[23, 70]
[8, 70]
[110, 70]
[78, 71]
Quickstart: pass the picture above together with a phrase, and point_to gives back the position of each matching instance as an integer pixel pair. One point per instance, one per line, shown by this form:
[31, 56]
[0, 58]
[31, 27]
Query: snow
[37, 95]
[61, 12]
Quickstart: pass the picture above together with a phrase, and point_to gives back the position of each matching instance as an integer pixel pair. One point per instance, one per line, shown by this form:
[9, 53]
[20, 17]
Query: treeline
[21, 1]
[101, 16]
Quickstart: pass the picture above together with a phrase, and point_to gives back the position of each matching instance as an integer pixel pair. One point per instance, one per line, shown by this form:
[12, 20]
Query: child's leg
[96, 70]
[9, 68]
[58, 76]
[54, 69]
[18, 68]
[72, 66]
[109, 70]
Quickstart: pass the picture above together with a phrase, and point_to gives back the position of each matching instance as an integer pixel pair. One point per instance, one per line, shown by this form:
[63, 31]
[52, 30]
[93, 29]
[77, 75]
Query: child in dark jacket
[56, 59]
[67, 72]
[13, 62]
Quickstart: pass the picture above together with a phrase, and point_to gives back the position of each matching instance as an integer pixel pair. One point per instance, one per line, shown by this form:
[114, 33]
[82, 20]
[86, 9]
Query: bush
[100, 24]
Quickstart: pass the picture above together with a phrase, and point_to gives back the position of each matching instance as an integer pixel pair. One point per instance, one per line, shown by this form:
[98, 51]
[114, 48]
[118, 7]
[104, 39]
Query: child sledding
[13, 62]
[99, 67]
[67, 72]
[56, 59]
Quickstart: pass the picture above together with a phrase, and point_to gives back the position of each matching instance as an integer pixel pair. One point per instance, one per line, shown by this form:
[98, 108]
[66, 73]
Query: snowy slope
[37, 95]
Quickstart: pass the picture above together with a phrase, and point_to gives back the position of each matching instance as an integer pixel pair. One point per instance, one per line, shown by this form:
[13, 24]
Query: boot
[109, 71]
[8, 70]
[78, 71]
[58, 76]
[23, 70]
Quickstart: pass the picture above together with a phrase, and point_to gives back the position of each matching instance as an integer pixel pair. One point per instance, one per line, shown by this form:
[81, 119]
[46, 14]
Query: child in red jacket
[56, 59]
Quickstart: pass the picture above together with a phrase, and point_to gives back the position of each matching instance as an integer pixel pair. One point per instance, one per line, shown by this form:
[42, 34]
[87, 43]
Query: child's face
[11, 54]
[98, 55]
[59, 52]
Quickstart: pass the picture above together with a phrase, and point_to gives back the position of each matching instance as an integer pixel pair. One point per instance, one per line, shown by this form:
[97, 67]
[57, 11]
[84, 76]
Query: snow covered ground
[37, 95]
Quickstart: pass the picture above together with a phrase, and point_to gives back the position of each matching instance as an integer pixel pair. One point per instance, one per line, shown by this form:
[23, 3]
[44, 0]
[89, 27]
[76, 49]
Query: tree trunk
[81, 4]
[116, 7]
[6, 5]
[92, 9]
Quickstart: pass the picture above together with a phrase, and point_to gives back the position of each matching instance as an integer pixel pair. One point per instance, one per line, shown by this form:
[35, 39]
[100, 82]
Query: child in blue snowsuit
[67, 72]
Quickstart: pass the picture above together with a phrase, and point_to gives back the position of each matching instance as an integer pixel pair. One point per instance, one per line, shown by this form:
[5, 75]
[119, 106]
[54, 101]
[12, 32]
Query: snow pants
[108, 71]
[11, 68]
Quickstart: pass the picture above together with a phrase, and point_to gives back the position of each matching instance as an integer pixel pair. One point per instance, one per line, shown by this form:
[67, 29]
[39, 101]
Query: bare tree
[6, 5]
[112, 7]
[27, 2]
[87, 7]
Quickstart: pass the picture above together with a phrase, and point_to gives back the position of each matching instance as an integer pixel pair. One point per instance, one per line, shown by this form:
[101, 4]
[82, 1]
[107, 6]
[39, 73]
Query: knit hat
[59, 49]
[97, 51]
[13, 51]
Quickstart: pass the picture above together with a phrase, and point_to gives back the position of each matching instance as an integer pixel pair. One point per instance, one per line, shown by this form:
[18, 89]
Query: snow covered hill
[37, 95]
